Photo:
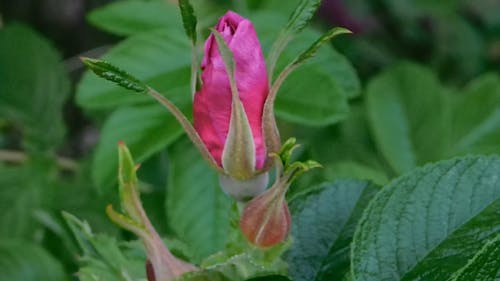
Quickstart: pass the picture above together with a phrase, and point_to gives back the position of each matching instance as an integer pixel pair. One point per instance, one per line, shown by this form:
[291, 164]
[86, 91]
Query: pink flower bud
[213, 102]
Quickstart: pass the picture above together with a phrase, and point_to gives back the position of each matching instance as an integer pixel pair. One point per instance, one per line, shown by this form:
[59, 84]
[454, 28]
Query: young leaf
[114, 74]
[313, 49]
[104, 258]
[324, 219]
[429, 223]
[188, 19]
[303, 57]
[158, 58]
[301, 16]
[297, 21]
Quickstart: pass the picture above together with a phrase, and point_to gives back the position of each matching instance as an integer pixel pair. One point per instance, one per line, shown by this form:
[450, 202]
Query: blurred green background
[417, 82]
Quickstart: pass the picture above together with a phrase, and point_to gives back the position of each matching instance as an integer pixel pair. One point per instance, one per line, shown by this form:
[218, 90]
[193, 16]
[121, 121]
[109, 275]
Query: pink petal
[212, 104]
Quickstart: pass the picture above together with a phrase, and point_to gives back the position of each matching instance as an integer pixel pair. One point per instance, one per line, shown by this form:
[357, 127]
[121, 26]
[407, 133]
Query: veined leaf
[197, 209]
[484, 266]
[104, 258]
[429, 223]
[324, 219]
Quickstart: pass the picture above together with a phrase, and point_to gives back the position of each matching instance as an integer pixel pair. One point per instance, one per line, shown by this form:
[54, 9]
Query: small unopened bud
[266, 220]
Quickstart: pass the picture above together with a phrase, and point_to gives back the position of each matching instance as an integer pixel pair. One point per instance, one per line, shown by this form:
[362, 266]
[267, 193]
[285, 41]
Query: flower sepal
[266, 220]
[161, 264]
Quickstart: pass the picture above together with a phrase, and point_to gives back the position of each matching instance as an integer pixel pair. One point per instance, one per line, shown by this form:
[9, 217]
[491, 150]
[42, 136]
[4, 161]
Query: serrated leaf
[145, 129]
[158, 58]
[33, 87]
[197, 209]
[240, 267]
[104, 258]
[188, 19]
[324, 219]
[427, 224]
[409, 116]
[114, 74]
[131, 17]
[484, 266]
[23, 261]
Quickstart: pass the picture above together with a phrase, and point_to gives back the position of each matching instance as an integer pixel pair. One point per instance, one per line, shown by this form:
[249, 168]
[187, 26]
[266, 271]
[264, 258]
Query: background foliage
[404, 115]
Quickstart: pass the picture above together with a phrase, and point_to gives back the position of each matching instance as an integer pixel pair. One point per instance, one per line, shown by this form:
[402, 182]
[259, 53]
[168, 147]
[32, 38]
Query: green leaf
[145, 129]
[33, 87]
[112, 73]
[298, 20]
[197, 209]
[313, 49]
[23, 261]
[328, 78]
[484, 266]
[326, 104]
[105, 259]
[476, 117]
[270, 278]
[301, 16]
[409, 116]
[240, 267]
[324, 219]
[132, 16]
[23, 190]
[188, 19]
[429, 223]
[158, 58]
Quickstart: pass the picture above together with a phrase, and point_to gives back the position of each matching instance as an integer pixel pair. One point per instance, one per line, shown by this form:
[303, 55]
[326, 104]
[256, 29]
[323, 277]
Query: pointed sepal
[266, 220]
[238, 156]
[165, 266]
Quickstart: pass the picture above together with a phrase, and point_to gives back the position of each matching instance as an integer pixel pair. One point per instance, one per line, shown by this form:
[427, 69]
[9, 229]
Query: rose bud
[234, 136]
[266, 221]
